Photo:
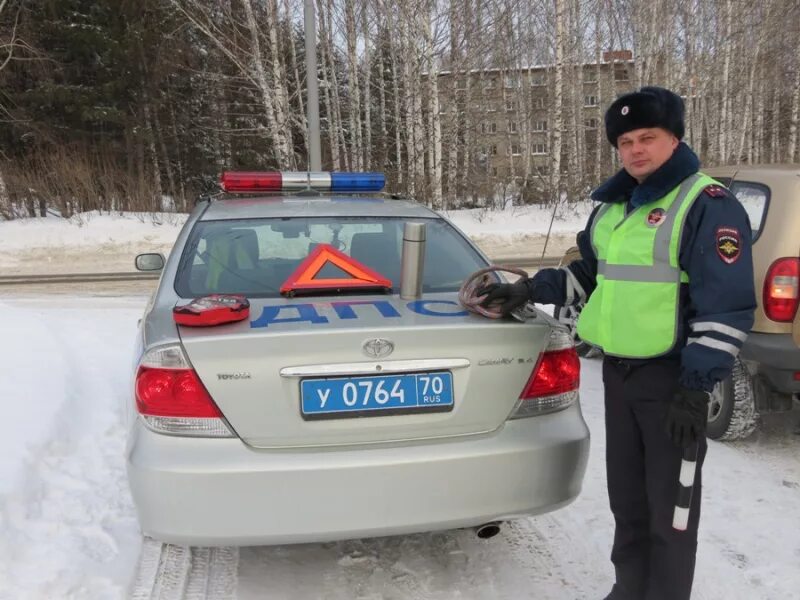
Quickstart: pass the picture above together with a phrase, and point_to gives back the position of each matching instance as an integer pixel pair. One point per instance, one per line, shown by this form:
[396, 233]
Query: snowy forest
[139, 105]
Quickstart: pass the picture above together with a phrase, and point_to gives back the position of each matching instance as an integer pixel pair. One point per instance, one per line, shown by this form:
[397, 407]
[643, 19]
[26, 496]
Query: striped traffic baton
[680, 518]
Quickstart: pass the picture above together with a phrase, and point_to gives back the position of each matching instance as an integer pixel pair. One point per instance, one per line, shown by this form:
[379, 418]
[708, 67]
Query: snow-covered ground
[67, 525]
[91, 242]
[68, 530]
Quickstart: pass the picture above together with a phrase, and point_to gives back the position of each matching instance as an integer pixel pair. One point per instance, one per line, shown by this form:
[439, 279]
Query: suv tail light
[171, 398]
[781, 290]
[553, 384]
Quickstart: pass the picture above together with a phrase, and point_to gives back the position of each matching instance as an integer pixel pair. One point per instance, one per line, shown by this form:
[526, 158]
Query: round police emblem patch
[625, 110]
[656, 217]
[729, 244]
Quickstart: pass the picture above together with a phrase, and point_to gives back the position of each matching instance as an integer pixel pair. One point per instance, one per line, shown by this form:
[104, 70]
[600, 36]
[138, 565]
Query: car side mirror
[150, 262]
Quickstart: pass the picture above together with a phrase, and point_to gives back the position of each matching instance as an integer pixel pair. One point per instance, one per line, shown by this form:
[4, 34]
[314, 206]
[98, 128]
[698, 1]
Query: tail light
[781, 290]
[171, 398]
[554, 383]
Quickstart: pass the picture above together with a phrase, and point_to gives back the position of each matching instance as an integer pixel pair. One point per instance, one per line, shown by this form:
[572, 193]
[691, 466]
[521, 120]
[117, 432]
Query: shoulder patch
[715, 191]
[729, 244]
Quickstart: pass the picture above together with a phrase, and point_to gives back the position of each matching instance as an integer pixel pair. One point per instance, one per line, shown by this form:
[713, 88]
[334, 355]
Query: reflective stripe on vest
[634, 310]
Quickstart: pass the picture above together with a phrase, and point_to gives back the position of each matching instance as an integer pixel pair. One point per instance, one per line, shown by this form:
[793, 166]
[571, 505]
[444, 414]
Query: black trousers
[652, 560]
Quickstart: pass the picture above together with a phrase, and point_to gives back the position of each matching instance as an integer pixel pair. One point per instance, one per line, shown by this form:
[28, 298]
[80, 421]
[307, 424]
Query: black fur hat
[649, 107]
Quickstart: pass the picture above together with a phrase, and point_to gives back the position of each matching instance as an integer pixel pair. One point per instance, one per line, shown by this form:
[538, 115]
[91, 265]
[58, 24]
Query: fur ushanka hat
[649, 107]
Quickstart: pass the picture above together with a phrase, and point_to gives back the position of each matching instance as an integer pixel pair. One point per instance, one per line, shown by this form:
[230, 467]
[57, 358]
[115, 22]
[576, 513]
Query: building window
[511, 105]
[539, 148]
[538, 79]
[511, 81]
[515, 150]
[442, 108]
[590, 123]
[489, 83]
[620, 74]
[493, 149]
[490, 107]
[589, 101]
[512, 127]
[461, 84]
[590, 76]
[494, 171]
[540, 125]
[489, 127]
[539, 103]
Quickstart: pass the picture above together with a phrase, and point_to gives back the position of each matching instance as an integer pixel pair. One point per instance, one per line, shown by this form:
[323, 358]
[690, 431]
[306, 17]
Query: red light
[797, 375]
[251, 181]
[555, 373]
[173, 393]
[781, 290]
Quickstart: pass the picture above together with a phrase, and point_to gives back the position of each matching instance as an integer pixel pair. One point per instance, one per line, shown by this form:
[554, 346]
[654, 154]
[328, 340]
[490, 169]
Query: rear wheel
[731, 410]
[568, 315]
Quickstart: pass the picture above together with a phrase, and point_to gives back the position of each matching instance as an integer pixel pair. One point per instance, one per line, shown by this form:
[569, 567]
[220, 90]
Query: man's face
[643, 151]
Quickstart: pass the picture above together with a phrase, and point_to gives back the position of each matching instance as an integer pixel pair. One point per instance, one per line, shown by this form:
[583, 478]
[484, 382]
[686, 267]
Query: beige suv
[766, 377]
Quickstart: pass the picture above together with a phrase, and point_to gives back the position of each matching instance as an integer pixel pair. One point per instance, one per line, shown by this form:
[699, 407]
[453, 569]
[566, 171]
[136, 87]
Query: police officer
[666, 273]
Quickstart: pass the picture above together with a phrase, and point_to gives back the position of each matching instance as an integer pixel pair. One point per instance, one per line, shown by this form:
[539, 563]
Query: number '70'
[433, 383]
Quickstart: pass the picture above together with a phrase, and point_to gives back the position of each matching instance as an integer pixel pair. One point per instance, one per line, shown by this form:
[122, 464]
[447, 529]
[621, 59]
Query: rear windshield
[754, 197]
[256, 256]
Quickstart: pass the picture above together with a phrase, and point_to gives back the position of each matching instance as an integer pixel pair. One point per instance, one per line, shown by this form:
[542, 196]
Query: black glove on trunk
[508, 295]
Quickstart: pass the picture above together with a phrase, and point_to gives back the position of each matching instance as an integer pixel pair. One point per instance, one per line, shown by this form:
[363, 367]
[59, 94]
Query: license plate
[376, 395]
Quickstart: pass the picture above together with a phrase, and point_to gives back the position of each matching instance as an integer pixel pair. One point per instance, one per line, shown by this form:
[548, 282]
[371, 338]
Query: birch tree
[558, 102]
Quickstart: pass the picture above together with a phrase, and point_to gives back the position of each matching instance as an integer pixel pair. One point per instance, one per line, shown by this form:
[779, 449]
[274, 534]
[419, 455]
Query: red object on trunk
[216, 309]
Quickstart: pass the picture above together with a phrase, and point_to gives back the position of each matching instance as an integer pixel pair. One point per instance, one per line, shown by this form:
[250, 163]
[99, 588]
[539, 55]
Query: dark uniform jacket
[717, 304]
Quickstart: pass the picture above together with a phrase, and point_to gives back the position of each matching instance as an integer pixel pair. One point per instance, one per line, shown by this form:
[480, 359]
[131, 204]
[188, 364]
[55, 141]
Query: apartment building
[507, 117]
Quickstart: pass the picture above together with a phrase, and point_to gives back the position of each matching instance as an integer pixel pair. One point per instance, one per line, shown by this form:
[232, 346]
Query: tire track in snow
[173, 572]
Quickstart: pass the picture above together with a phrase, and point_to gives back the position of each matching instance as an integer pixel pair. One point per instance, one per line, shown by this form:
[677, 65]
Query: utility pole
[314, 153]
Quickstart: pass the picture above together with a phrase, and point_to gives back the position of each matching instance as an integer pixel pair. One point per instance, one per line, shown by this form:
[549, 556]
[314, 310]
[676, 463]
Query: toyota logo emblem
[377, 348]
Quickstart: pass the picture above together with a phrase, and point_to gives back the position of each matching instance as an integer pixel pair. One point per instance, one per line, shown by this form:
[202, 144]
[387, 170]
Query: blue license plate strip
[376, 395]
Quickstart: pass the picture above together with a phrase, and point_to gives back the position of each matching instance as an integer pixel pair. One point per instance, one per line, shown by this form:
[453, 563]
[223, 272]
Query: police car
[291, 387]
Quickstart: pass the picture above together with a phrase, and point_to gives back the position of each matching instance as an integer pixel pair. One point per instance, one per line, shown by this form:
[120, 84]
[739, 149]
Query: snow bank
[89, 230]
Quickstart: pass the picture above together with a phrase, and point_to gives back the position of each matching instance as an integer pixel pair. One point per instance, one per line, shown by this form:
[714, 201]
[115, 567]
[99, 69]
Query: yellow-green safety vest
[634, 310]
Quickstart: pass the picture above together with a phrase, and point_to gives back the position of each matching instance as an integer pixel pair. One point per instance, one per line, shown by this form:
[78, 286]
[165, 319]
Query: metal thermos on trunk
[411, 267]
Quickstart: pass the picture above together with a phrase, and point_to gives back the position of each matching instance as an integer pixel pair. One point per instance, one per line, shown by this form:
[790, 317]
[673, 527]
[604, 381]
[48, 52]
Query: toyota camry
[305, 372]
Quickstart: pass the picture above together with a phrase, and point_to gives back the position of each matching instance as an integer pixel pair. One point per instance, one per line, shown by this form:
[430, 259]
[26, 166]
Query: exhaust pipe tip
[488, 530]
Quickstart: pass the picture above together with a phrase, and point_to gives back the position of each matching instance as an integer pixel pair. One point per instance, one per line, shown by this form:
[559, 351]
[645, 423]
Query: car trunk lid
[255, 369]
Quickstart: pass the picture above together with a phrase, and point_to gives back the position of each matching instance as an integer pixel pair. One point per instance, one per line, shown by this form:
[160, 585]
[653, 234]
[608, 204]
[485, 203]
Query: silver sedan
[310, 402]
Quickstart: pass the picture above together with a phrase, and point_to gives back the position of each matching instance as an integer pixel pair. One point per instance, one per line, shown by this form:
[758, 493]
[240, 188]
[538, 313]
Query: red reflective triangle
[304, 276]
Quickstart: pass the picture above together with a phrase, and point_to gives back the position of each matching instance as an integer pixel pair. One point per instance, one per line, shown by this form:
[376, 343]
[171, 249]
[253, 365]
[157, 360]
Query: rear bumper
[222, 492]
[777, 357]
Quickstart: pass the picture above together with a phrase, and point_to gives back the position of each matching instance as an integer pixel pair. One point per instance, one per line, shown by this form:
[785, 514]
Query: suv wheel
[731, 410]
[568, 315]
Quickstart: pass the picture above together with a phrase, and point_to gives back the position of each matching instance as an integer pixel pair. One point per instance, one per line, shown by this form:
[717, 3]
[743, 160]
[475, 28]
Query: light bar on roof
[292, 181]
[357, 182]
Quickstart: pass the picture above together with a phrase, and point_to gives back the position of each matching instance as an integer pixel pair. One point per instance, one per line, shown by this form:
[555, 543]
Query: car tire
[568, 315]
[732, 411]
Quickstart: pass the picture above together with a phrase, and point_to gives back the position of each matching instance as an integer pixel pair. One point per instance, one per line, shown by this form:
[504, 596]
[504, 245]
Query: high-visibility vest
[634, 310]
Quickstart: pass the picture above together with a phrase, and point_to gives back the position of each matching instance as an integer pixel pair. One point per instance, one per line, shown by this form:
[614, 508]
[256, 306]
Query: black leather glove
[687, 416]
[508, 295]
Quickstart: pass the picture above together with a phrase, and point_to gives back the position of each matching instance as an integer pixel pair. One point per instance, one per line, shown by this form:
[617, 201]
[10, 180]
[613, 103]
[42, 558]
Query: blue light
[357, 182]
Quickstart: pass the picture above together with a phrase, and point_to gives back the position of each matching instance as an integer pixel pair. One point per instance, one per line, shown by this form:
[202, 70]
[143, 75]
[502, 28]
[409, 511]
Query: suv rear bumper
[221, 492]
[777, 357]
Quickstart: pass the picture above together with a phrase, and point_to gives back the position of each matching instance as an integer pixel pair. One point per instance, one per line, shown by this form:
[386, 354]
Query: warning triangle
[307, 276]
